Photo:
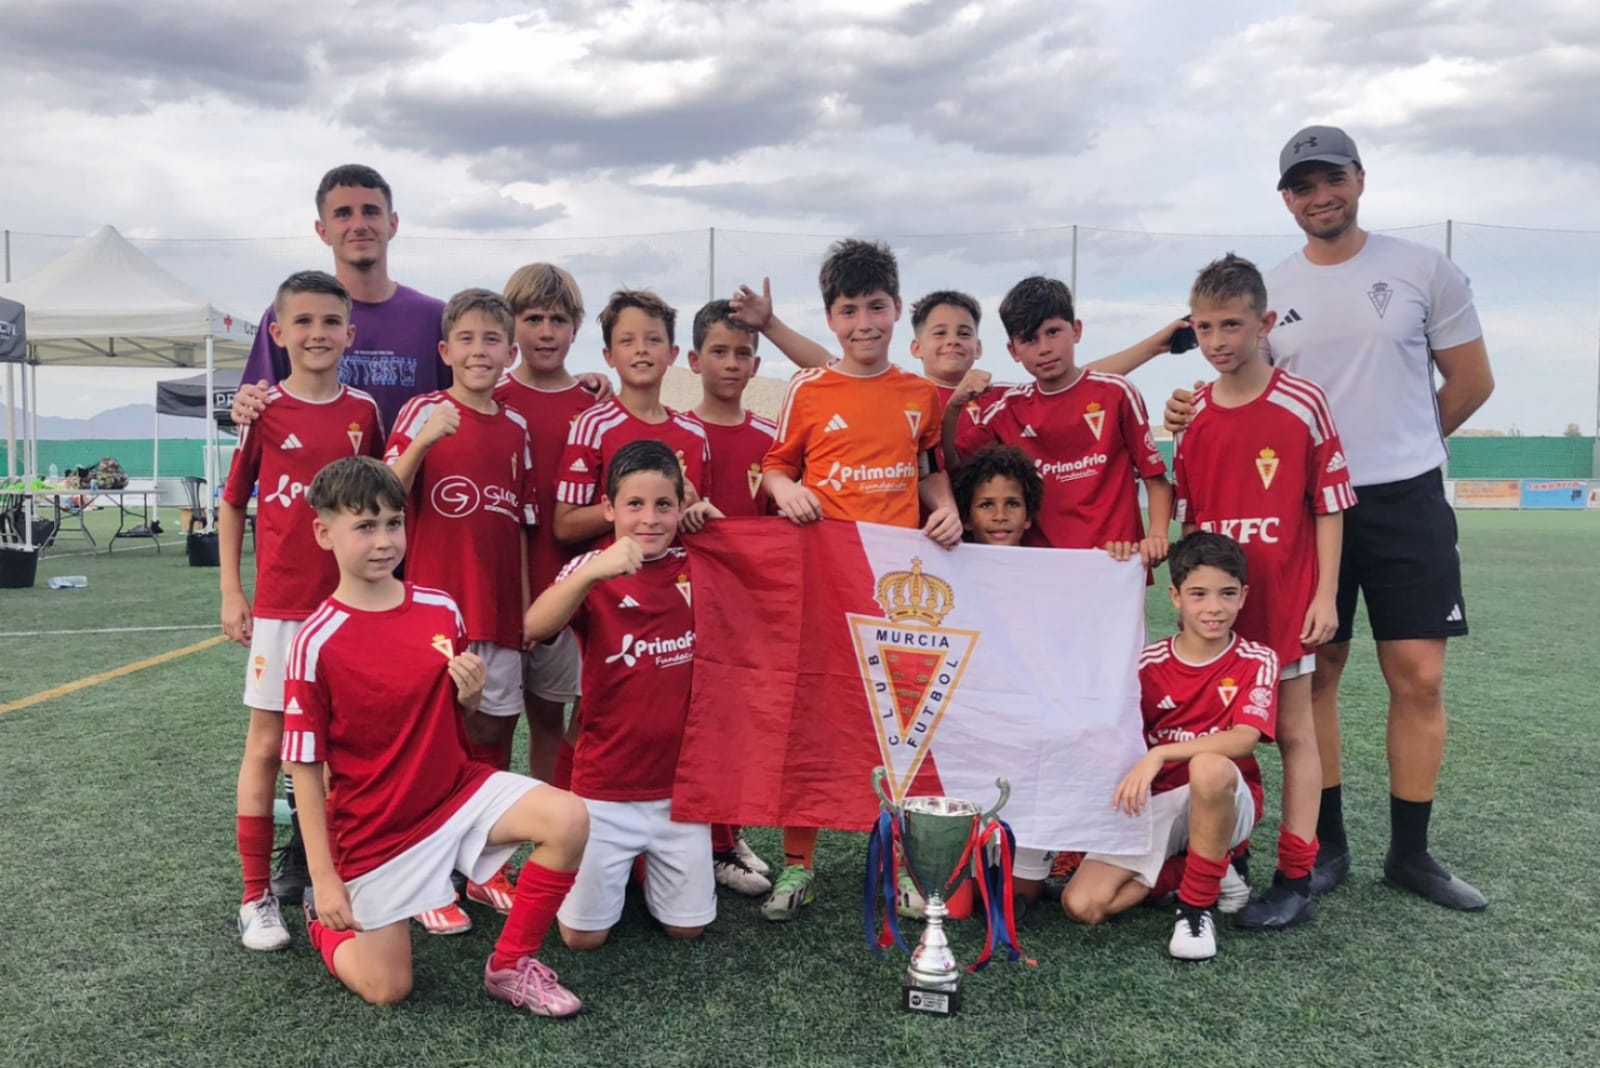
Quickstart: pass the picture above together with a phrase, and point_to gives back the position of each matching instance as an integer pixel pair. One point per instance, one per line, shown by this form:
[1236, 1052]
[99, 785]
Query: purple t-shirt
[395, 355]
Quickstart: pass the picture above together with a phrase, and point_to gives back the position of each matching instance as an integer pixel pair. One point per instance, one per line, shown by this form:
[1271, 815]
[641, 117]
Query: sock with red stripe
[1296, 856]
[327, 942]
[1202, 880]
[723, 837]
[800, 847]
[255, 854]
[563, 779]
[540, 892]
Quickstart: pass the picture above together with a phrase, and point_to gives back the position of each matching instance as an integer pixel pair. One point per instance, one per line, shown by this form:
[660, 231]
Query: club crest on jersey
[443, 646]
[1267, 467]
[1227, 689]
[353, 432]
[1380, 294]
[910, 666]
[753, 478]
[914, 419]
[682, 583]
[1095, 416]
[258, 666]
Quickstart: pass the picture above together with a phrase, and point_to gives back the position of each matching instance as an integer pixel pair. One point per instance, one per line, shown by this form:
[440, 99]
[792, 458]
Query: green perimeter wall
[1469, 457]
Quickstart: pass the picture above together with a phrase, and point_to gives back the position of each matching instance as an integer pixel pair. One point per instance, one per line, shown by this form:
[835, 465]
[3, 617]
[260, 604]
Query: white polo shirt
[1365, 331]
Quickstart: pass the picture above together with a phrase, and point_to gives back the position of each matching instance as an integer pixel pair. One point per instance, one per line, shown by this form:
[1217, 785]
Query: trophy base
[930, 1001]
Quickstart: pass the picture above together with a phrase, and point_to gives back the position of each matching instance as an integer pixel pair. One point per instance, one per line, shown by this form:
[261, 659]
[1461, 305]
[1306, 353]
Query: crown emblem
[911, 596]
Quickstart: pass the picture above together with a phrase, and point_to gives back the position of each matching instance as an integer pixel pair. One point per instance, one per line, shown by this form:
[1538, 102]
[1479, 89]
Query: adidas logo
[1455, 615]
[292, 442]
[1337, 463]
[628, 602]
[1290, 316]
[836, 423]
[579, 466]
[294, 708]
[1166, 704]
[1028, 432]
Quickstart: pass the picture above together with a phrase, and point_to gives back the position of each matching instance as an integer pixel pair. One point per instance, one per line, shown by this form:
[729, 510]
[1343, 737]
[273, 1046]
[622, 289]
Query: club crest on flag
[1227, 689]
[1267, 467]
[443, 646]
[1095, 416]
[683, 588]
[353, 432]
[910, 666]
[753, 477]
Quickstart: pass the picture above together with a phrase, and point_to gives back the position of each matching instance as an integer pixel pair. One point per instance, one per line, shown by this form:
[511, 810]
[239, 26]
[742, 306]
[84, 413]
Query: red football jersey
[599, 432]
[290, 441]
[549, 415]
[1260, 473]
[1182, 701]
[972, 414]
[369, 695]
[1091, 443]
[736, 453]
[637, 636]
[464, 519]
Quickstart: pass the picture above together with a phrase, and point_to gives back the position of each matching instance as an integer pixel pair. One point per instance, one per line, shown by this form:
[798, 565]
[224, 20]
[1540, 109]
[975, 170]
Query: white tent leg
[211, 434]
[155, 454]
[11, 422]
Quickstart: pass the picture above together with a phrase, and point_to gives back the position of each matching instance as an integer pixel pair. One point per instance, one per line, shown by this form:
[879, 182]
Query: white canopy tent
[104, 303]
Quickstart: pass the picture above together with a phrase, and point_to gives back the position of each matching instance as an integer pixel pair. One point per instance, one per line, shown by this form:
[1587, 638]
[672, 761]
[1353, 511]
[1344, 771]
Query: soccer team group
[453, 532]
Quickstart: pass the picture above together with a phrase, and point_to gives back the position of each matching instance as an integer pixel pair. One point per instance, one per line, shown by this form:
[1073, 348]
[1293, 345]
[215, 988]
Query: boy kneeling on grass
[377, 686]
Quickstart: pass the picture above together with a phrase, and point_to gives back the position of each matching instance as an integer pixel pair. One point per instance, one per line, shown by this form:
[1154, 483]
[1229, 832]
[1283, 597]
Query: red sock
[327, 942]
[800, 846]
[723, 837]
[494, 754]
[563, 779]
[1202, 880]
[255, 854]
[540, 892]
[1167, 880]
[1296, 856]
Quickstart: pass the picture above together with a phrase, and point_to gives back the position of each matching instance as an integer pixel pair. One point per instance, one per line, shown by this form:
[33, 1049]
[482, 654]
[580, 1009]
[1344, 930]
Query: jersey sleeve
[267, 359]
[308, 702]
[1183, 509]
[246, 466]
[1329, 477]
[1452, 317]
[788, 450]
[529, 490]
[1138, 439]
[580, 467]
[407, 425]
[1257, 705]
[930, 436]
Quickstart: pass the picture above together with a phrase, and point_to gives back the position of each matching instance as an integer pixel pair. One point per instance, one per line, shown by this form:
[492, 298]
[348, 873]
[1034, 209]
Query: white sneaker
[751, 858]
[731, 871]
[261, 924]
[1234, 894]
[1194, 936]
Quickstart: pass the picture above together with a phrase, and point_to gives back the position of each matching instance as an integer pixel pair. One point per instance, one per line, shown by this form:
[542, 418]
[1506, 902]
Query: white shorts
[1031, 863]
[419, 879]
[502, 691]
[1169, 830]
[1293, 669]
[680, 886]
[553, 670]
[269, 660]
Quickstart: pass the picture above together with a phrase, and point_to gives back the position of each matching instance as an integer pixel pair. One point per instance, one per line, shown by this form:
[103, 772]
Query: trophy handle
[880, 778]
[1005, 795]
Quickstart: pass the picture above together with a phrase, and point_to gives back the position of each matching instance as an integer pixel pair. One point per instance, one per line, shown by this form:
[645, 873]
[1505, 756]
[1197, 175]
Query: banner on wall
[1563, 493]
[1488, 493]
[1594, 495]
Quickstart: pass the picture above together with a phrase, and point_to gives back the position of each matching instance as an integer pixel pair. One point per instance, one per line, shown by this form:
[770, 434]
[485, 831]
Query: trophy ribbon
[996, 843]
[881, 883]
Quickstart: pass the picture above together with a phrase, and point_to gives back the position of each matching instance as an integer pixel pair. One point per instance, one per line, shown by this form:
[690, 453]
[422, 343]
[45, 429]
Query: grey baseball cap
[1316, 144]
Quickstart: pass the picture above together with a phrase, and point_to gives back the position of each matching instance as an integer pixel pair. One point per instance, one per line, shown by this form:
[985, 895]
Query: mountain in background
[129, 421]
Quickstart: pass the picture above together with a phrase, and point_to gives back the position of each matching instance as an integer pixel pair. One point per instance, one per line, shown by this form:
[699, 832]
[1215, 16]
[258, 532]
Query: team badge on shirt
[1267, 467]
[353, 432]
[1227, 689]
[1380, 294]
[1095, 416]
[443, 646]
[914, 418]
[259, 666]
[753, 477]
[910, 666]
[683, 588]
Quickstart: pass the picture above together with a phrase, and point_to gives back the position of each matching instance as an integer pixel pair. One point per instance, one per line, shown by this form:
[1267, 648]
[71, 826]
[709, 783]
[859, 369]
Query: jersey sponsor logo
[1095, 416]
[288, 491]
[682, 582]
[292, 442]
[1166, 704]
[457, 496]
[1261, 696]
[836, 423]
[443, 646]
[910, 665]
[1380, 294]
[1071, 470]
[353, 432]
[627, 601]
[1227, 689]
[1267, 467]
[870, 478]
[914, 418]
[667, 652]
[753, 478]
[1152, 454]
[1168, 735]
[1336, 462]
[1254, 712]
[1245, 531]
[579, 466]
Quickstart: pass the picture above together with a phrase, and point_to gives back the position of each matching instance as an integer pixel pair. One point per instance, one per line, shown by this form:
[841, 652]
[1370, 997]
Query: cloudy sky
[611, 137]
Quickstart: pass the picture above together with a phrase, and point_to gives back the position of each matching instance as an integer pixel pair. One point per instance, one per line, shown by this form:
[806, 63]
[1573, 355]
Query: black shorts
[1400, 552]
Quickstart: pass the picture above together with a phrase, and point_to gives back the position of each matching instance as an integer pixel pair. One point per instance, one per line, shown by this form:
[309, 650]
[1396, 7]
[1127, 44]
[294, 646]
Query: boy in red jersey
[548, 306]
[309, 420]
[724, 356]
[465, 461]
[858, 439]
[1208, 697]
[1261, 462]
[378, 679]
[636, 327]
[1086, 431]
[630, 605]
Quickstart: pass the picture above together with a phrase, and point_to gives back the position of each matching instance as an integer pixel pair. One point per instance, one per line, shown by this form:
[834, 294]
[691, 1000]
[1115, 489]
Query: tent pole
[33, 415]
[155, 452]
[212, 443]
[11, 423]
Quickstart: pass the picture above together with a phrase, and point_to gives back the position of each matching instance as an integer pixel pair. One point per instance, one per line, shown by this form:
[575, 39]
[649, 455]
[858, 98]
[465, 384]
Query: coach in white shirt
[1370, 318]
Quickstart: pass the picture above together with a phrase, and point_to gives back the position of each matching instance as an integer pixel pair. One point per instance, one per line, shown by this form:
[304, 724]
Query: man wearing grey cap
[1370, 318]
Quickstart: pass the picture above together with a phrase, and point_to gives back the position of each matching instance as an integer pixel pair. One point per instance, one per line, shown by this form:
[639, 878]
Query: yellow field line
[106, 676]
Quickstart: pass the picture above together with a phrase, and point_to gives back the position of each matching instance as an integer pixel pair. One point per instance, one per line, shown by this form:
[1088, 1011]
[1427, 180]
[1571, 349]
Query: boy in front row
[378, 680]
[1208, 696]
[630, 606]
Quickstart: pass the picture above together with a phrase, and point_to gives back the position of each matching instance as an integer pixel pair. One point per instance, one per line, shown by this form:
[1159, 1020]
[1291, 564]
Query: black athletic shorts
[1400, 552]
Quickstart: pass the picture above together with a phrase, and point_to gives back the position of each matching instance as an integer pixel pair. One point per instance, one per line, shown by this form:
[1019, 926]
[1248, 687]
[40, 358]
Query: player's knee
[1211, 776]
[1084, 906]
[567, 820]
[682, 934]
[582, 941]
[387, 987]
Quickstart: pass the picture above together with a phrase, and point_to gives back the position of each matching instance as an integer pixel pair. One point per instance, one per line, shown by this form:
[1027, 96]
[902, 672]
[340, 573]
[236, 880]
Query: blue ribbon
[880, 882]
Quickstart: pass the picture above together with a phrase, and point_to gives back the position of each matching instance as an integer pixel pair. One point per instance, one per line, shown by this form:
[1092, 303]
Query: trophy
[940, 838]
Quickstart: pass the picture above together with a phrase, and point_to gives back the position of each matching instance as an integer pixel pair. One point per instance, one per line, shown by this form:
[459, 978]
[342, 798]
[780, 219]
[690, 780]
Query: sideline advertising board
[1564, 493]
[1488, 493]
